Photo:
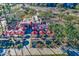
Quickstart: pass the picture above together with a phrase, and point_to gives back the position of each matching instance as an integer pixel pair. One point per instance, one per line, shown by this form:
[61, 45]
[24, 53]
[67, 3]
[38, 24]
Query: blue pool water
[25, 43]
[2, 51]
[28, 30]
[71, 51]
[51, 5]
[69, 5]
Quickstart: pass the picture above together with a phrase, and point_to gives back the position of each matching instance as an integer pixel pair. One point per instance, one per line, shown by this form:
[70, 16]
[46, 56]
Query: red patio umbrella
[7, 32]
[34, 28]
[20, 32]
[17, 27]
[49, 32]
[16, 32]
[22, 28]
[41, 32]
[34, 32]
[11, 32]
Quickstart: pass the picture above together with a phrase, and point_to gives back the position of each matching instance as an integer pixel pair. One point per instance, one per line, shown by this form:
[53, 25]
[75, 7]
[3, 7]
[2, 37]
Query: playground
[41, 31]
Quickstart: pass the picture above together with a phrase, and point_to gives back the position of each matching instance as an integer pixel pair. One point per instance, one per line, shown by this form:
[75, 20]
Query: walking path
[34, 52]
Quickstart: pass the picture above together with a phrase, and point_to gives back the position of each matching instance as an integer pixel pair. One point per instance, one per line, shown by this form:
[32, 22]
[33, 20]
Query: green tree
[77, 7]
[59, 5]
[58, 29]
[60, 16]
[70, 17]
[30, 12]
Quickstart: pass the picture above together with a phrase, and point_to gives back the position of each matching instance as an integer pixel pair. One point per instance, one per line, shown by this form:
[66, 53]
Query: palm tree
[6, 8]
[1, 28]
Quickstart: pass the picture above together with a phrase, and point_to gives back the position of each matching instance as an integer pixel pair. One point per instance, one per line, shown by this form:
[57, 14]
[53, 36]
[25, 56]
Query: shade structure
[16, 32]
[17, 27]
[34, 32]
[33, 35]
[41, 32]
[23, 22]
[30, 22]
[20, 32]
[22, 28]
[40, 27]
[11, 32]
[26, 22]
[34, 28]
[48, 32]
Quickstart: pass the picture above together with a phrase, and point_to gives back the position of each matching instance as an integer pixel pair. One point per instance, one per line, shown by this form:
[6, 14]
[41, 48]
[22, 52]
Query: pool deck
[35, 52]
